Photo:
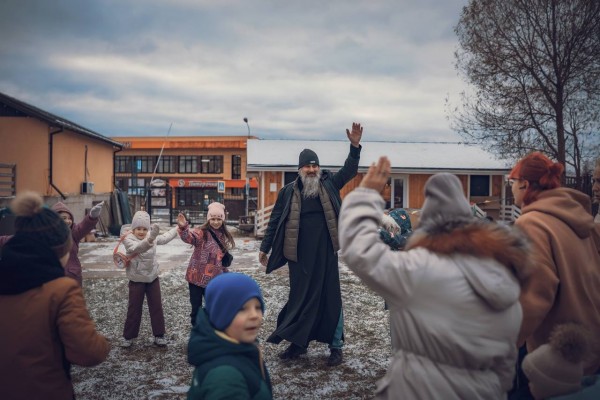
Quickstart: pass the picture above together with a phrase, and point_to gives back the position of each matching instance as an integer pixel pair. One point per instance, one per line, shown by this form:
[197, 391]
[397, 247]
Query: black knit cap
[307, 156]
[39, 223]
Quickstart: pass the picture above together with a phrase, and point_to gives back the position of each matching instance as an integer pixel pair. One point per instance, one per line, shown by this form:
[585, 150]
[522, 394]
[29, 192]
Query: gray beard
[311, 184]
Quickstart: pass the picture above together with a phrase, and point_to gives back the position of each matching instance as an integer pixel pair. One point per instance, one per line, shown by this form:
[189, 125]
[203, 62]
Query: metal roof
[405, 157]
[53, 120]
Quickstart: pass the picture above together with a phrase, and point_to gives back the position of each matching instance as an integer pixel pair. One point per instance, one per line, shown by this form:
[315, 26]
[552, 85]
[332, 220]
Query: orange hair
[541, 173]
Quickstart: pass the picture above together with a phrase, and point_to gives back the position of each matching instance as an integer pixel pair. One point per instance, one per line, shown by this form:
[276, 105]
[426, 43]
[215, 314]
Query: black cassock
[315, 302]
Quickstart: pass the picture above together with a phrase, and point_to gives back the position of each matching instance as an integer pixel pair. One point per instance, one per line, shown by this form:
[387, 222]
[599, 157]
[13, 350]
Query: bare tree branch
[535, 67]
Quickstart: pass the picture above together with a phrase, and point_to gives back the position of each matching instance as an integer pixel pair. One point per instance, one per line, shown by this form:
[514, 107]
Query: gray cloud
[295, 69]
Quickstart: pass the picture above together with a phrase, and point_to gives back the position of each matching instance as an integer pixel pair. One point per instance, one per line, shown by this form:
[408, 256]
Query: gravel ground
[148, 372]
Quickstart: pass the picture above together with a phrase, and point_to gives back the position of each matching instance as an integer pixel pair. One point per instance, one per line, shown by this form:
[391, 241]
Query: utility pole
[247, 186]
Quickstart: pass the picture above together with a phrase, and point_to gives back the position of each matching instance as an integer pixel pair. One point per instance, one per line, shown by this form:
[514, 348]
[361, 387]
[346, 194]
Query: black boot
[292, 352]
[335, 358]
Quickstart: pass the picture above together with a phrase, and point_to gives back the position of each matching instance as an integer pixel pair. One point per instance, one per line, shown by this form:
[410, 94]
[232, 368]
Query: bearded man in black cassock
[302, 232]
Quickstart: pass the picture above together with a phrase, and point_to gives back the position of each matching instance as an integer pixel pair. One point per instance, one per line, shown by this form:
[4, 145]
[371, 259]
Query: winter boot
[335, 358]
[292, 352]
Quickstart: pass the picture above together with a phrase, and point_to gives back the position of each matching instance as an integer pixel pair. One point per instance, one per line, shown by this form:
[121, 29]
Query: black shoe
[335, 358]
[292, 352]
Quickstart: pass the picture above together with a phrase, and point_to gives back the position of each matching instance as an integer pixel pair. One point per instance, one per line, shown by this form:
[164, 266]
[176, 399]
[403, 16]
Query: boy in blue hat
[223, 345]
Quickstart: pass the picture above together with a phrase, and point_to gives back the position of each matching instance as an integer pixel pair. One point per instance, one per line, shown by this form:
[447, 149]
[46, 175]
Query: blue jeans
[337, 342]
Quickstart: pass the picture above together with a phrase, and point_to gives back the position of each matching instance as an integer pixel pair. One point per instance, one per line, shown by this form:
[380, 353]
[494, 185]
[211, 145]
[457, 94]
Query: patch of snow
[147, 371]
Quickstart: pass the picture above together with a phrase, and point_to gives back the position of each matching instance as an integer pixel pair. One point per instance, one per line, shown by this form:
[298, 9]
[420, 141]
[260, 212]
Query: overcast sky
[296, 69]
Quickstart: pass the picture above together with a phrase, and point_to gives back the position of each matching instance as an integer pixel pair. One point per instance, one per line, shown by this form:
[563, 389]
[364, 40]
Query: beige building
[55, 157]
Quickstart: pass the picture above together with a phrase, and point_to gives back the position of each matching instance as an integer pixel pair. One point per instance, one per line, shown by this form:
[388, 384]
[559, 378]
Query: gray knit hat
[141, 219]
[445, 202]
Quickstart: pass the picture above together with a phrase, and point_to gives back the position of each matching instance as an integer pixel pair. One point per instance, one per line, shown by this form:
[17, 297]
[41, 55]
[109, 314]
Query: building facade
[274, 163]
[52, 156]
[186, 174]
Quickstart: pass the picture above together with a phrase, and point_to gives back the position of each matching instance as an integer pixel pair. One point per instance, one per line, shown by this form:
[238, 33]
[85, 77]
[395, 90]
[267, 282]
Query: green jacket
[225, 368]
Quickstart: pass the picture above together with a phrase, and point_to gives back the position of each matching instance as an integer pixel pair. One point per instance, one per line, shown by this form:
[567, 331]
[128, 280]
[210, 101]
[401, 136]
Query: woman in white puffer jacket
[453, 295]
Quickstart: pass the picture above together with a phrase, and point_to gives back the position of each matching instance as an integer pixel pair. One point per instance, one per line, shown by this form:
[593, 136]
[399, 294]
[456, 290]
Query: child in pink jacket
[78, 231]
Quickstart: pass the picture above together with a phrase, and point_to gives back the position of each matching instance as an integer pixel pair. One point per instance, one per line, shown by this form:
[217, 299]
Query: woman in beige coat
[453, 294]
[43, 318]
[565, 283]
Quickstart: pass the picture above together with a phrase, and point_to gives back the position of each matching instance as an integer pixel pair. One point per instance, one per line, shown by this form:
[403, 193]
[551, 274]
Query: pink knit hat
[216, 210]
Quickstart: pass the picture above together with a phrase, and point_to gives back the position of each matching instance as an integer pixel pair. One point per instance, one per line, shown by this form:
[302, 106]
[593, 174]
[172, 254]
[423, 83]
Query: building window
[188, 164]
[167, 165]
[211, 164]
[289, 177]
[145, 164]
[195, 198]
[237, 191]
[480, 185]
[189, 197]
[123, 164]
[136, 186]
[236, 166]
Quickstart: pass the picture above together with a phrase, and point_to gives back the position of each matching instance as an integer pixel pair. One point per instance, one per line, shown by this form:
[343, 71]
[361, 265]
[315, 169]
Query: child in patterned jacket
[206, 260]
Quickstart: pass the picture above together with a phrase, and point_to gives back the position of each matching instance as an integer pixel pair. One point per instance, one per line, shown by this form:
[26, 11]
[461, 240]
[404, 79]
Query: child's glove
[96, 210]
[181, 220]
[154, 231]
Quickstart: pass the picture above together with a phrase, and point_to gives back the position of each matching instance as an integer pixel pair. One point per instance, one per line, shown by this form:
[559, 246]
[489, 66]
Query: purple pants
[137, 291]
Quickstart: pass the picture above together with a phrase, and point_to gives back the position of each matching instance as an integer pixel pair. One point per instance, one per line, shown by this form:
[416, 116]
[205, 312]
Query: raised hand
[96, 210]
[378, 175]
[355, 135]
[181, 221]
[154, 231]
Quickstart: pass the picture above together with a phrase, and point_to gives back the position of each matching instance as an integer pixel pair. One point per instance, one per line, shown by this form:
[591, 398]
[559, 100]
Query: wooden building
[274, 163]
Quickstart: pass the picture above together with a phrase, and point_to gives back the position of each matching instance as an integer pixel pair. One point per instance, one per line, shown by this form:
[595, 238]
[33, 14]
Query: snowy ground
[149, 372]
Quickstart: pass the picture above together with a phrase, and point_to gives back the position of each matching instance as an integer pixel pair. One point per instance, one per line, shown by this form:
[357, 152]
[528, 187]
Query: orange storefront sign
[210, 184]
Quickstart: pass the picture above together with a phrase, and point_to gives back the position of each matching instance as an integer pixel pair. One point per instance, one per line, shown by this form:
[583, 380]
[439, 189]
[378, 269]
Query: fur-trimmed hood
[478, 240]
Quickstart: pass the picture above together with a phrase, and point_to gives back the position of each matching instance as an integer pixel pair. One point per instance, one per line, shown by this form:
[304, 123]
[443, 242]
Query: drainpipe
[114, 175]
[50, 145]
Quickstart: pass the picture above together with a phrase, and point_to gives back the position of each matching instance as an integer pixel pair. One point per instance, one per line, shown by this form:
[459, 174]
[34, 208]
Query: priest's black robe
[315, 302]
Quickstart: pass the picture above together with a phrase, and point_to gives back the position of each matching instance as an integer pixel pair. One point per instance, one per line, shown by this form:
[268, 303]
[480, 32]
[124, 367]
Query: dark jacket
[398, 241]
[332, 182]
[44, 322]
[225, 368]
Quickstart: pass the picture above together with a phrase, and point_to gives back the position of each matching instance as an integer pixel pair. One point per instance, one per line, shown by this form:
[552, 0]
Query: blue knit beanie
[225, 296]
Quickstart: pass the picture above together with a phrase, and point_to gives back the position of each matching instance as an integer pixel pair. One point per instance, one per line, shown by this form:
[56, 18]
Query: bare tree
[534, 66]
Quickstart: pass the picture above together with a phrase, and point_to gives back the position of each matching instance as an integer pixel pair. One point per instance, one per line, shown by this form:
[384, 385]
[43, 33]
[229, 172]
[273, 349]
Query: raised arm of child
[193, 237]
[167, 236]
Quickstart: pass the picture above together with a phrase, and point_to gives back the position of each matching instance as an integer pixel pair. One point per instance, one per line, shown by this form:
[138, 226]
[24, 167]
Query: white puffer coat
[144, 267]
[454, 310]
